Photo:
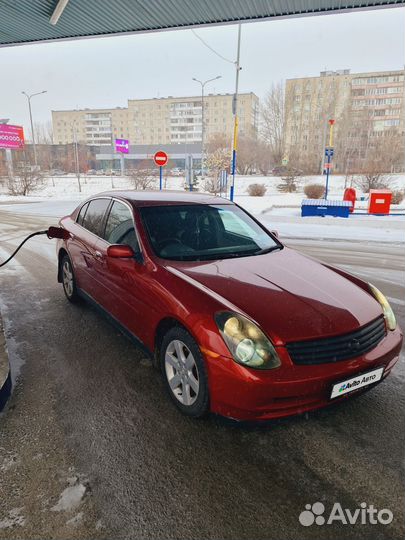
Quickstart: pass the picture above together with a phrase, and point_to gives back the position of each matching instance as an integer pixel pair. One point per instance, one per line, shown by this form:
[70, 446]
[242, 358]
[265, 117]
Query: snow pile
[70, 498]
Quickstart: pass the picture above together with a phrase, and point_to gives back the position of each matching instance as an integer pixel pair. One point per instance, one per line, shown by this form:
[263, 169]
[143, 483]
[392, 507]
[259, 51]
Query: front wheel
[68, 280]
[184, 372]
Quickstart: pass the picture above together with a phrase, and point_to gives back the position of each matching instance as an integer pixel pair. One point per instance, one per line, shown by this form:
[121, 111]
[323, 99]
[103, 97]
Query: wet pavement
[100, 410]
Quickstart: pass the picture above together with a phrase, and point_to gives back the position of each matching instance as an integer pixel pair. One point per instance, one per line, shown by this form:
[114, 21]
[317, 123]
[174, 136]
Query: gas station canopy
[29, 21]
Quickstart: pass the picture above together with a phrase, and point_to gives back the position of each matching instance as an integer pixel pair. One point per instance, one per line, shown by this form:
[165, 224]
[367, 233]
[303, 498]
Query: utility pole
[235, 117]
[76, 156]
[203, 120]
[32, 124]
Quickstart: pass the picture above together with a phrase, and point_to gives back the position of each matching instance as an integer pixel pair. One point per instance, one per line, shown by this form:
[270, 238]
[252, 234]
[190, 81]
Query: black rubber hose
[21, 245]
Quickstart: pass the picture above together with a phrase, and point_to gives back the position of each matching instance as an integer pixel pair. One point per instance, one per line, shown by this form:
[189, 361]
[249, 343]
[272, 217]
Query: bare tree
[43, 132]
[381, 154]
[27, 179]
[218, 141]
[141, 177]
[216, 162]
[247, 155]
[307, 115]
[273, 121]
[264, 159]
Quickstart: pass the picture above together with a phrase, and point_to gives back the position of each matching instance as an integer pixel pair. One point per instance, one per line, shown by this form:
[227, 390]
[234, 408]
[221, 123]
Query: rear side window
[119, 228]
[82, 213]
[94, 217]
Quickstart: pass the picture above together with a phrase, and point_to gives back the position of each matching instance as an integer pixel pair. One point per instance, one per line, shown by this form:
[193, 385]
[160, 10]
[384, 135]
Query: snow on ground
[280, 211]
[356, 228]
[70, 498]
[66, 187]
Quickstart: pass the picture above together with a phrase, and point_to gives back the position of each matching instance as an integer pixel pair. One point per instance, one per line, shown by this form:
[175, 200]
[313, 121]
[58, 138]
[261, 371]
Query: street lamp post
[76, 150]
[235, 116]
[29, 96]
[203, 83]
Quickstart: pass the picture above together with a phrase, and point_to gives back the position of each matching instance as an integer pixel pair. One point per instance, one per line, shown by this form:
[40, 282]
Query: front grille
[334, 349]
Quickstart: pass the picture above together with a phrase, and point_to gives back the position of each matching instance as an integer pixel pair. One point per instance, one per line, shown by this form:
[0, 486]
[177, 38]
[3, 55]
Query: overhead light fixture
[60, 6]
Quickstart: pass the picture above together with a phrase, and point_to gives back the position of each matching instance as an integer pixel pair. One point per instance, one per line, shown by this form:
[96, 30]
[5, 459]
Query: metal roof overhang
[33, 21]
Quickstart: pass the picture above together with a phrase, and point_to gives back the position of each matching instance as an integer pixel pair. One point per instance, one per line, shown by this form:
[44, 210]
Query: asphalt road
[153, 473]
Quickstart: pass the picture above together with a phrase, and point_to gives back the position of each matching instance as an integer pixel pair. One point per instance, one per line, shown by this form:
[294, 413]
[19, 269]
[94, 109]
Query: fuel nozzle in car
[51, 232]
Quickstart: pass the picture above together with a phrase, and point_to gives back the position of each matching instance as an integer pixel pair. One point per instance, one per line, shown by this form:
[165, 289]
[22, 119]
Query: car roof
[162, 198]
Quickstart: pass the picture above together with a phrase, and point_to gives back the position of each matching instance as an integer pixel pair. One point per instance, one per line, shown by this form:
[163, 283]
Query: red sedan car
[240, 324]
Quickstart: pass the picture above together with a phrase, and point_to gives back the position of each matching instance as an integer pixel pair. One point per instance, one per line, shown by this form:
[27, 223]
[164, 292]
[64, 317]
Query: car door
[121, 277]
[82, 247]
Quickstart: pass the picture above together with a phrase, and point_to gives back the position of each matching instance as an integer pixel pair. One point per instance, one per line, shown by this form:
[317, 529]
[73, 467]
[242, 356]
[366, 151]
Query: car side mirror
[275, 233]
[120, 251]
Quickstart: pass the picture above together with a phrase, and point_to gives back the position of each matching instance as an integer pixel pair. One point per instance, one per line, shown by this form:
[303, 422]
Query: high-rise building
[175, 120]
[364, 106]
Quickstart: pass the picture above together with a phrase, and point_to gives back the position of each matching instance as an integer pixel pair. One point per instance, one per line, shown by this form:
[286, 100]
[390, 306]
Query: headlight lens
[246, 342]
[387, 310]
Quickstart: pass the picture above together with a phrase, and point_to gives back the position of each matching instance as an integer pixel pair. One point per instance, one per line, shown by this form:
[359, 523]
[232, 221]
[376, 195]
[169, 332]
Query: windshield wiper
[267, 250]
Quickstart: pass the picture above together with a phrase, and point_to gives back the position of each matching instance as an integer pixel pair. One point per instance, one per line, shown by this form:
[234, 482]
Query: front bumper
[247, 394]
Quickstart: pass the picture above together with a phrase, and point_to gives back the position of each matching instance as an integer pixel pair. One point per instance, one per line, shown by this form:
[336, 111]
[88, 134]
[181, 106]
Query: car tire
[184, 372]
[69, 280]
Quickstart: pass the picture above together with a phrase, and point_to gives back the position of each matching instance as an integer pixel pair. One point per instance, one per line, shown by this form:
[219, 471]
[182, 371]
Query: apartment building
[90, 126]
[374, 100]
[382, 94]
[171, 120]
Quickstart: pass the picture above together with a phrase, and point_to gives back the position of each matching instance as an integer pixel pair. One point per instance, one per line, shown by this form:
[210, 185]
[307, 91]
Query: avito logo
[366, 514]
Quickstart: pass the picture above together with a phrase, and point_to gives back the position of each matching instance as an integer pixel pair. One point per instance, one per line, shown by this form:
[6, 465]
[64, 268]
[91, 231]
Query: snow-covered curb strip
[5, 377]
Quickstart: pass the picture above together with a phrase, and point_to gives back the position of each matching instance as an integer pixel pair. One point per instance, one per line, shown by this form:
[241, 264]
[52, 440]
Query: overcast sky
[105, 72]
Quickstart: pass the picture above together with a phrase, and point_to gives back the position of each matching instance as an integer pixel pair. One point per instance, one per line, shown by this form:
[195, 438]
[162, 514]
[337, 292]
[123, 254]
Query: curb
[5, 376]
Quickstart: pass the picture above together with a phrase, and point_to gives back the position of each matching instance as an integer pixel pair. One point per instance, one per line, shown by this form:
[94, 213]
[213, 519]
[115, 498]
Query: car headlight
[246, 342]
[387, 310]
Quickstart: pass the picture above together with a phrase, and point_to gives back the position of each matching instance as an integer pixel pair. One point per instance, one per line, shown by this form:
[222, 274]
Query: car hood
[292, 297]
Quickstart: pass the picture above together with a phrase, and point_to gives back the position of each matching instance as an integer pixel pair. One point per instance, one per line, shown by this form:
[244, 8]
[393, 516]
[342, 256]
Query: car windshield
[201, 232]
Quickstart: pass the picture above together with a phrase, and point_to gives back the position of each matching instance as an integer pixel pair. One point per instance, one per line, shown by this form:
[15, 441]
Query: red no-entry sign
[160, 158]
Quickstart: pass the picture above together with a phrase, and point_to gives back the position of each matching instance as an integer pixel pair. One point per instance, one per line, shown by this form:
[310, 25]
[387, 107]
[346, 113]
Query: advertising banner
[11, 137]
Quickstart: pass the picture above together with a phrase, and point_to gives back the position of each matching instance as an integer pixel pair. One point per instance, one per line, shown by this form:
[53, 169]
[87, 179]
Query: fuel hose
[51, 232]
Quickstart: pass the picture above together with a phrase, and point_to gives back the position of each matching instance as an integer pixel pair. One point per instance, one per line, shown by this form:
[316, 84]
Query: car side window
[82, 213]
[94, 217]
[119, 228]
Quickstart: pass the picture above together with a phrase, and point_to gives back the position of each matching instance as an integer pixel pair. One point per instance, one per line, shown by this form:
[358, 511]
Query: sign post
[160, 159]
[329, 154]
[122, 147]
[160, 178]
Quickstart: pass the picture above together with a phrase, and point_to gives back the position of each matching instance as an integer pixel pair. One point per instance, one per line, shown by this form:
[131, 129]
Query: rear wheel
[68, 279]
[184, 372]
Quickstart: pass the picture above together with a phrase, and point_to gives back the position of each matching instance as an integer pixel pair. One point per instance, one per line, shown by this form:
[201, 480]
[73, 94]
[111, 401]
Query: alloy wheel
[182, 372]
[67, 277]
